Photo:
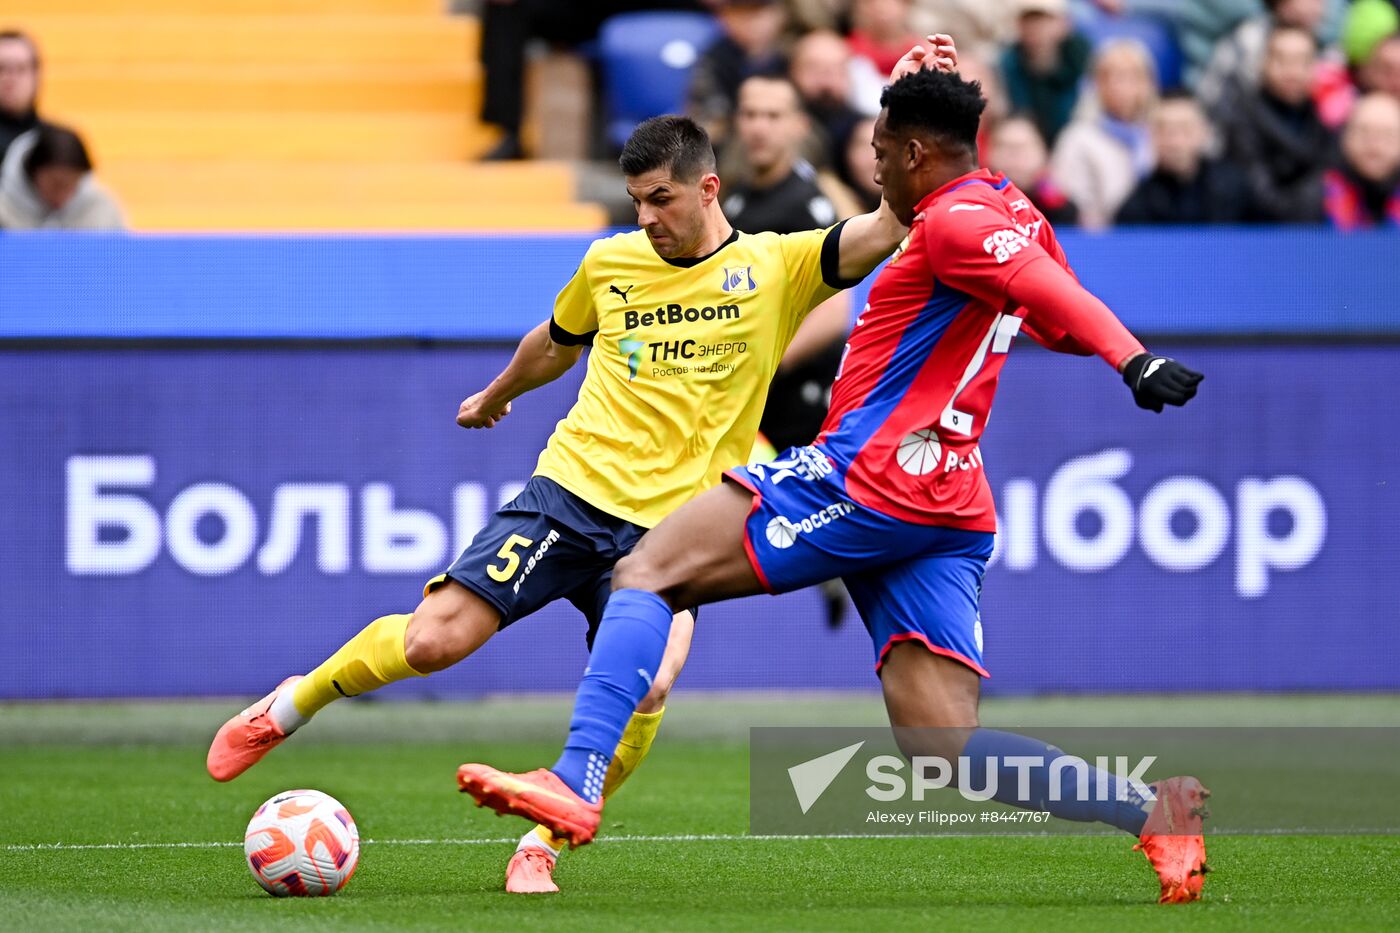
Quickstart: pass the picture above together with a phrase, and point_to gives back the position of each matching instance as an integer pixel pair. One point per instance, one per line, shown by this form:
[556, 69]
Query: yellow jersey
[682, 354]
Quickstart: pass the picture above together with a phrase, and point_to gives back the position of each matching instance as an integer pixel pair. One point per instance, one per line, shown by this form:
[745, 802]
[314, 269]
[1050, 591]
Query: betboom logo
[677, 314]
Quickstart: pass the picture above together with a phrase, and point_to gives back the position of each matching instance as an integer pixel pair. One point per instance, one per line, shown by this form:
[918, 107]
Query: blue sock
[1121, 805]
[627, 652]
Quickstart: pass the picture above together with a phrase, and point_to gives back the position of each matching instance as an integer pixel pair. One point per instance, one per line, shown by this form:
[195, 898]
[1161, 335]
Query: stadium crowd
[46, 174]
[1103, 111]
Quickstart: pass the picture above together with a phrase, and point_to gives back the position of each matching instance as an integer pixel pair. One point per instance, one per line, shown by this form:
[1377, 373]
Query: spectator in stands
[780, 191]
[821, 71]
[806, 16]
[858, 165]
[880, 32]
[782, 195]
[751, 45]
[1043, 68]
[1364, 191]
[1275, 134]
[1101, 155]
[1381, 69]
[19, 86]
[46, 182]
[1018, 151]
[986, 72]
[508, 26]
[1187, 186]
[1235, 65]
[1200, 26]
[1367, 23]
[982, 27]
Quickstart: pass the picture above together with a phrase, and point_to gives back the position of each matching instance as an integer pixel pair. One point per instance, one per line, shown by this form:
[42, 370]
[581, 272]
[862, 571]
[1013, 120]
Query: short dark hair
[677, 144]
[14, 35]
[56, 146]
[940, 104]
[777, 79]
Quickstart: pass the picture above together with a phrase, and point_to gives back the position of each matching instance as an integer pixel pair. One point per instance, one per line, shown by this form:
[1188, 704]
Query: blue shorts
[543, 545]
[909, 582]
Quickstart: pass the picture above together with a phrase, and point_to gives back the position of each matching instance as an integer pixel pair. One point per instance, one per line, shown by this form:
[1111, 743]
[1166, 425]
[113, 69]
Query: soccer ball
[302, 843]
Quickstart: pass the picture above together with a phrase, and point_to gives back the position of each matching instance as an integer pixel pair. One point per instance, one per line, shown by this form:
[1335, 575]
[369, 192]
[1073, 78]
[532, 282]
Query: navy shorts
[543, 545]
[909, 582]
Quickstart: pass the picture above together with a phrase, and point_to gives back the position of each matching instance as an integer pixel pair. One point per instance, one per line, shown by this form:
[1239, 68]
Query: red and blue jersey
[916, 384]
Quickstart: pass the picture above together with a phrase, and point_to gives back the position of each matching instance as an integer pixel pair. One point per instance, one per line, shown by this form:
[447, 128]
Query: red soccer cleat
[531, 871]
[1172, 839]
[241, 742]
[539, 796]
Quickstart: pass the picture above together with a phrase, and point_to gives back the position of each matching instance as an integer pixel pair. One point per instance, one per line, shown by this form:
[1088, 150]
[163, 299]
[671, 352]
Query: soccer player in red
[892, 497]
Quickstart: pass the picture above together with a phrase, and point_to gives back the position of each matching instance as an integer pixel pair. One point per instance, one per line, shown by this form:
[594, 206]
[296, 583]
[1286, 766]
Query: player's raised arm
[1053, 297]
[866, 240]
[538, 360]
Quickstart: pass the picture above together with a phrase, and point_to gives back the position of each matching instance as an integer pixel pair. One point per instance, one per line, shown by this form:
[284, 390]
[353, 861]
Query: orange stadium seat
[246, 115]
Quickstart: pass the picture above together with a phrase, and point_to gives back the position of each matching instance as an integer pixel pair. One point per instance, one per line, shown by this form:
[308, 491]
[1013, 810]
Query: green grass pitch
[150, 843]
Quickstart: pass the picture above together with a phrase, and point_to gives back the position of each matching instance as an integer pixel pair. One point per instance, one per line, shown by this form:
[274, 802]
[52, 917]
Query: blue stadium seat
[1158, 35]
[646, 60]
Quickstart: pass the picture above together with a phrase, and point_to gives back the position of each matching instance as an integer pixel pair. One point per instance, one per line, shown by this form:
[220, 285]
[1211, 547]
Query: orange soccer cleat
[531, 871]
[1172, 839]
[539, 795]
[242, 741]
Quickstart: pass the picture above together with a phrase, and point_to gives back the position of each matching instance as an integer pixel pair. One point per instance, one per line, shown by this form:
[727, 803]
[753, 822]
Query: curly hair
[937, 103]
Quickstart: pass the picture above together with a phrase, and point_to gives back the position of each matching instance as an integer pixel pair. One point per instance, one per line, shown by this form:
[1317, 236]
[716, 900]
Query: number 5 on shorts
[512, 560]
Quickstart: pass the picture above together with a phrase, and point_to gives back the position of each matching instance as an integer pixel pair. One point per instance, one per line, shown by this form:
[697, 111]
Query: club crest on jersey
[739, 279]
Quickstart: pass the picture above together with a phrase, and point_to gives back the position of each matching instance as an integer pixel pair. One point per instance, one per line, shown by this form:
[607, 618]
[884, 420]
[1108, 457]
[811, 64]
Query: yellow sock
[368, 661]
[556, 843]
[631, 750]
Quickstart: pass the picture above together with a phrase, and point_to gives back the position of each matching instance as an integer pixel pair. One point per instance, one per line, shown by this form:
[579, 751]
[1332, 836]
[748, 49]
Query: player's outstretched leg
[450, 623]
[695, 556]
[932, 702]
[531, 867]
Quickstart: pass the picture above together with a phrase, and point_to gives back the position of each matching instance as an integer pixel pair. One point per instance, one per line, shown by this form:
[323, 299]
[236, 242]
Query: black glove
[1160, 380]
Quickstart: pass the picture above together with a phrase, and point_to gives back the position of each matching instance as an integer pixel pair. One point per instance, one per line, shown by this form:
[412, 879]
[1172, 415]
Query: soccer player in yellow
[687, 320]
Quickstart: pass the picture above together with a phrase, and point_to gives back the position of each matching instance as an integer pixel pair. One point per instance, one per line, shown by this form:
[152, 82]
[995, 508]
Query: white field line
[704, 837]
[503, 840]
